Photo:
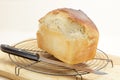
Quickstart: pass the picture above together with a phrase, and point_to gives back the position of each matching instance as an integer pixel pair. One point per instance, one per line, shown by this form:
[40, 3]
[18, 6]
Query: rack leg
[79, 77]
[17, 70]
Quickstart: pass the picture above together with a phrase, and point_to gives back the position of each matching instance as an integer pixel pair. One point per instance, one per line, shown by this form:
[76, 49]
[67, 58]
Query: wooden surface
[7, 69]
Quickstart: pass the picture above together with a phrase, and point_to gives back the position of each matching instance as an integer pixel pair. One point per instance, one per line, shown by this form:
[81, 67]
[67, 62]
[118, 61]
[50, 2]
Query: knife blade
[36, 57]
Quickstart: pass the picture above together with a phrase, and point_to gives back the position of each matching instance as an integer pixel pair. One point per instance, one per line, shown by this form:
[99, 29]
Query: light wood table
[7, 69]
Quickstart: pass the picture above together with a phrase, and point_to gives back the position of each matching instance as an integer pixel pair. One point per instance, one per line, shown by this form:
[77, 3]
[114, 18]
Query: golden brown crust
[76, 16]
[70, 50]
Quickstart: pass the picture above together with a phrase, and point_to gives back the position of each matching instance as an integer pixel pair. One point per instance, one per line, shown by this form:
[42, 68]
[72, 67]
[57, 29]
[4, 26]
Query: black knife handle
[19, 52]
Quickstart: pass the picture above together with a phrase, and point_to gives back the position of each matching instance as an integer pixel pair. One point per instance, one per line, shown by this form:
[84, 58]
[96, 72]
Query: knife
[37, 57]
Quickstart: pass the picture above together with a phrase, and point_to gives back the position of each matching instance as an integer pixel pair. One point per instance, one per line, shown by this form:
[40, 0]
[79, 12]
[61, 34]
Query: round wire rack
[100, 61]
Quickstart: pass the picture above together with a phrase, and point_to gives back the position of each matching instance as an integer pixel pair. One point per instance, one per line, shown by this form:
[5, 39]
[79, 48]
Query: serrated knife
[35, 57]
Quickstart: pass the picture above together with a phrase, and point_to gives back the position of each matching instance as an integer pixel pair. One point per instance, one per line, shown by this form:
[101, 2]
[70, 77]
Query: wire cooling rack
[100, 61]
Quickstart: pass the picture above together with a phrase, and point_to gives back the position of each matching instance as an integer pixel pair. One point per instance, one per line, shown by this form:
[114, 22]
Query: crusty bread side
[69, 35]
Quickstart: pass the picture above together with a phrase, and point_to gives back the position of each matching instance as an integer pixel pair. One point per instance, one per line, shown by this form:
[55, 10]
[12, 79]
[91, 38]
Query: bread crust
[69, 50]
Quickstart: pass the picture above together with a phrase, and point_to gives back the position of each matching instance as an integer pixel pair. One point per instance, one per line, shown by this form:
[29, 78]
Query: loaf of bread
[69, 35]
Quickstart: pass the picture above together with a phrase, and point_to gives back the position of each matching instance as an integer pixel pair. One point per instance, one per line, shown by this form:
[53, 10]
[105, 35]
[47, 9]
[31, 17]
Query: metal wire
[100, 61]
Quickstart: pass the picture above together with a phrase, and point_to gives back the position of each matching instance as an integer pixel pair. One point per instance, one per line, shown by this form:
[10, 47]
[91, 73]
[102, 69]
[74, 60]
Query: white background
[19, 19]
